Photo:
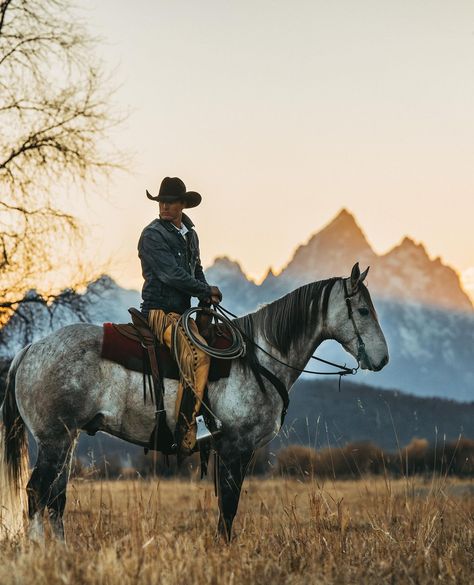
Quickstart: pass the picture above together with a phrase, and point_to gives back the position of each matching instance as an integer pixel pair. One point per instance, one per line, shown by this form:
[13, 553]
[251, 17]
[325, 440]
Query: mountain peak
[331, 251]
[270, 273]
[343, 230]
[225, 268]
[345, 215]
[343, 220]
[225, 263]
[103, 283]
[408, 246]
[407, 272]
[270, 277]
[408, 242]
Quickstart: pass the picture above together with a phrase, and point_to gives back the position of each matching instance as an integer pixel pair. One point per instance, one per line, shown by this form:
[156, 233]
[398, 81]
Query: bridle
[361, 353]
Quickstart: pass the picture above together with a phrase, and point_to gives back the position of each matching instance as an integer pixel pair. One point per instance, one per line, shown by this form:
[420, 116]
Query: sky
[281, 113]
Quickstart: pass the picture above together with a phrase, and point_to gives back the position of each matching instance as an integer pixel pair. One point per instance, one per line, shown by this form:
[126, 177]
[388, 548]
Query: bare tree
[54, 118]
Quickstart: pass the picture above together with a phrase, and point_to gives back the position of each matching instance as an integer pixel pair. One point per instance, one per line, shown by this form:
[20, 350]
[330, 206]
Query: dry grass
[367, 531]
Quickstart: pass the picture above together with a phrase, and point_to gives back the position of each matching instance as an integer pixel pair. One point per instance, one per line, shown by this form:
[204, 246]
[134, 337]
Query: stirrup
[203, 433]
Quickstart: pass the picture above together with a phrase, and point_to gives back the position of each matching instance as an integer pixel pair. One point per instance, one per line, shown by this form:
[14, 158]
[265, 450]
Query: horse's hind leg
[47, 485]
[231, 474]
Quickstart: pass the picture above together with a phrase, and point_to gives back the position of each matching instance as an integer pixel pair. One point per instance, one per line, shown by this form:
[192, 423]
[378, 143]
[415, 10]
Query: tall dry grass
[371, 531]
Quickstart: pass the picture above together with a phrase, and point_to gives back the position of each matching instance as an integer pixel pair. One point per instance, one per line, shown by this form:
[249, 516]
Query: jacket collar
[187, 221]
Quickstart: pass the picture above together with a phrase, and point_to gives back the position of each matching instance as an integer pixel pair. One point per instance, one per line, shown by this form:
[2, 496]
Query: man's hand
[216, 295]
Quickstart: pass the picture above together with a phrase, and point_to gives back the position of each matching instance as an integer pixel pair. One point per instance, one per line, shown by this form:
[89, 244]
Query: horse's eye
[364, 312]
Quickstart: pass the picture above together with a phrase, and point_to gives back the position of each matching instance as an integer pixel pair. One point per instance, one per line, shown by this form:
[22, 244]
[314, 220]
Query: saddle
[126, 343]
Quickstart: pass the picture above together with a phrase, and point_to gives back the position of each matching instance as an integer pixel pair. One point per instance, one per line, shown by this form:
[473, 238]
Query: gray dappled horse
[58, 385]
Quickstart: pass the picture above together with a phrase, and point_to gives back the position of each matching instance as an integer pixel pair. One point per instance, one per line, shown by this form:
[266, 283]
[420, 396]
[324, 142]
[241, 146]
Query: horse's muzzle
[381, 365]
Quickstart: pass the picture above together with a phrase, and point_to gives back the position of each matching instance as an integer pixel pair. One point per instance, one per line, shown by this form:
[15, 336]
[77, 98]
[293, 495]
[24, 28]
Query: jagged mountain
[405, 273]
[329, 251]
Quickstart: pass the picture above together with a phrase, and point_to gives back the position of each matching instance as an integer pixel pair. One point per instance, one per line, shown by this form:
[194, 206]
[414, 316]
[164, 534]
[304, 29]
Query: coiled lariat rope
[240, 338]
[237, 348]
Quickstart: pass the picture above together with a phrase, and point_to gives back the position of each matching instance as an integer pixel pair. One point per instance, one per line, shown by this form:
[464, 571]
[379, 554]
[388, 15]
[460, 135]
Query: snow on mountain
[110, 302]
[431, 350]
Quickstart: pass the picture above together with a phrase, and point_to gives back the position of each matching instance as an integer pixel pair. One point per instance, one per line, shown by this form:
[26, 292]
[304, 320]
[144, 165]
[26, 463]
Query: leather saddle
[139, 329]
[127, 343]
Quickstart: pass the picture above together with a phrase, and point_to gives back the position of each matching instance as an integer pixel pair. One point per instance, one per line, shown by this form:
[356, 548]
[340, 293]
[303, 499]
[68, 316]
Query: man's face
[172, 211]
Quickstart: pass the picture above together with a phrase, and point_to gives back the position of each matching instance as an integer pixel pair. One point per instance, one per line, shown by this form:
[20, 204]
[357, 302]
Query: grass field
[367, 531]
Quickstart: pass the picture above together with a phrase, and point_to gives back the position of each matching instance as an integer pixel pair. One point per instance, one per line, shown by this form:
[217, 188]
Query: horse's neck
[295, 327]
[297, 357]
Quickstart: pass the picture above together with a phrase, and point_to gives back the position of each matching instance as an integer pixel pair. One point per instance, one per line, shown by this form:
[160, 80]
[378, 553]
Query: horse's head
[352, 321]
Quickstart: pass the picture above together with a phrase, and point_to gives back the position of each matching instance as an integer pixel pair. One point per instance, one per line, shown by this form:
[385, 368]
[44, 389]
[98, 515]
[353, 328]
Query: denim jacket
[171, 267]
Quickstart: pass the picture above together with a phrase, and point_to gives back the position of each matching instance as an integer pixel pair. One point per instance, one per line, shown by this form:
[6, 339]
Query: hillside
[320, 415]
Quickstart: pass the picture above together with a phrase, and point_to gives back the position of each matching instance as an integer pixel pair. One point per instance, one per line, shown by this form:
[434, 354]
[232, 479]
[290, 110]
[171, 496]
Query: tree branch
[3, 10]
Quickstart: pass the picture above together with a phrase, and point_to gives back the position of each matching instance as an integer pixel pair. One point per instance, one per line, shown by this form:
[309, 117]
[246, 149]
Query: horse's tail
[13, 457]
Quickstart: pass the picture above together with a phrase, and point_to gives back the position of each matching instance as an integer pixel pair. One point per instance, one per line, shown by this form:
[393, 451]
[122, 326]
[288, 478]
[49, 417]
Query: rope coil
[237, 349]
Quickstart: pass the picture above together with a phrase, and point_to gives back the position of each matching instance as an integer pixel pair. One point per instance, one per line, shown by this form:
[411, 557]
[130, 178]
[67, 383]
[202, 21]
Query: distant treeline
[357, 459]
[352, 461]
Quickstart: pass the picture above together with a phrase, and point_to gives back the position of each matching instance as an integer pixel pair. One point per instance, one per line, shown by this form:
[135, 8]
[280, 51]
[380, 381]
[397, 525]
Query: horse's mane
[287, 319]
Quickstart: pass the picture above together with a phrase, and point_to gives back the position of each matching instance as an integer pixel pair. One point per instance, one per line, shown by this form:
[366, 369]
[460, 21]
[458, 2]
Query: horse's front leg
[231, 474]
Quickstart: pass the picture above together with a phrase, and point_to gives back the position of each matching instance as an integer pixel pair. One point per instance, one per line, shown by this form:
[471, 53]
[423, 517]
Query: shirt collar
[183, 230]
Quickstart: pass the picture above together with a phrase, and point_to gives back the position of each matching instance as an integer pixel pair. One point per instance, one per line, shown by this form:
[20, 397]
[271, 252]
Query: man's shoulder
[154, 226]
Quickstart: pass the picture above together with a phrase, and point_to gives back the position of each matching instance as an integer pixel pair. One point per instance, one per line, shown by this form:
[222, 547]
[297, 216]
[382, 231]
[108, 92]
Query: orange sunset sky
[281, 113]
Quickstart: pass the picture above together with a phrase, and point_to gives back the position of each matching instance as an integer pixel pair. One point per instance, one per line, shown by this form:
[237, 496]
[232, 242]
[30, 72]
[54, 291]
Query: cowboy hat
[173, 189]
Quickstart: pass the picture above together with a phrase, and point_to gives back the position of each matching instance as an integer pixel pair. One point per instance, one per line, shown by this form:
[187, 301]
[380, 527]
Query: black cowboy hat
[173, 189]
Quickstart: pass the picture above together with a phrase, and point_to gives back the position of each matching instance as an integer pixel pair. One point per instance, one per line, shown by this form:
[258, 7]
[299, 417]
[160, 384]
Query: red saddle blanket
[130, 354]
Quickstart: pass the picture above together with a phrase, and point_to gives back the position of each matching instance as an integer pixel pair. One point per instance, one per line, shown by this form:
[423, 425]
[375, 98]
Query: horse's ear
[355, 275]
[363, 275]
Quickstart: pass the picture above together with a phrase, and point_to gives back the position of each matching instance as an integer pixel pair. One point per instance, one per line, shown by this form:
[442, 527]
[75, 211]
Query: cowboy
[169, 252]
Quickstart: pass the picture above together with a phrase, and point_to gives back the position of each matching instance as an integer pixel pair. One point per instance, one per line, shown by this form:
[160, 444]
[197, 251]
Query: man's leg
[194, 365]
